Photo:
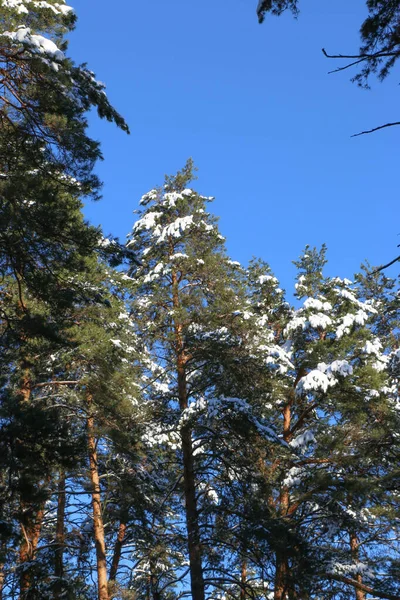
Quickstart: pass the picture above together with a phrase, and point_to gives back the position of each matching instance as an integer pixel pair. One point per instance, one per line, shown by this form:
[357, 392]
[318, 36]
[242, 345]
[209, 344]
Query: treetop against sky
[254, 105]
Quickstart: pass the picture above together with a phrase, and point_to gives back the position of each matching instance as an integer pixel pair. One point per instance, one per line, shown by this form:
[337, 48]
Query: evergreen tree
[332, 405]
[188, 302]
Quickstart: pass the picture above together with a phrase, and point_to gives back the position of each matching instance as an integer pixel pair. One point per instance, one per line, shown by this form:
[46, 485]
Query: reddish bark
[243, 580]
[31, 527]
[354, 547]
[117, 551]
[98, 526]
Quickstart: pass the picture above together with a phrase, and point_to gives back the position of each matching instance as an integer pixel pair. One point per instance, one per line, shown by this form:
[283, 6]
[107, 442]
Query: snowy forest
[173, 423]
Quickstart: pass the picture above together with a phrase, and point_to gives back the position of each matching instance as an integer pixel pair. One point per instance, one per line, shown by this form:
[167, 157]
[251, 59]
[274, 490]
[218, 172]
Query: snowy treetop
[23, 6]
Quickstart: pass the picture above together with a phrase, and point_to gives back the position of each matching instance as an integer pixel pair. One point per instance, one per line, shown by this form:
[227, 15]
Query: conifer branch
[363, 588]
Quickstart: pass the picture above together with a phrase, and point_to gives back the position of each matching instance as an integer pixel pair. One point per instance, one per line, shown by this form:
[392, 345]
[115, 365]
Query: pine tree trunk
[2, 574]
[98, 526]
[282, 571]
[243, 580]
[192, 517]
[117, 551]
[155, 594]
[60, 537]
[31, 529]
[31, 520]
[189, 480]
[354, 547]
[281, 576]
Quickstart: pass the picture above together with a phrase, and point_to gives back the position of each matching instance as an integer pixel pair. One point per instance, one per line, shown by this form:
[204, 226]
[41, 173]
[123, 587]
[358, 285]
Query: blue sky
[266, 125]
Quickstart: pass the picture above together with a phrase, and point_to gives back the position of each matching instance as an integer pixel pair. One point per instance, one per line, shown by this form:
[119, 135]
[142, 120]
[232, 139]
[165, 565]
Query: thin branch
[361, 56]
[389, 264]
[39, 385]
[376, 128]
[364, 588]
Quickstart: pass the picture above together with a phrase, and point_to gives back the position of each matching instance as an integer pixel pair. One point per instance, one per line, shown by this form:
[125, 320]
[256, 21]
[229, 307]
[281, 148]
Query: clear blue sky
[253, 104]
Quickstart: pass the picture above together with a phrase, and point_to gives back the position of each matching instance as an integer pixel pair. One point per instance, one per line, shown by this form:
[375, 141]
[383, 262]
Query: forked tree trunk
[60, 537]
[98, 526]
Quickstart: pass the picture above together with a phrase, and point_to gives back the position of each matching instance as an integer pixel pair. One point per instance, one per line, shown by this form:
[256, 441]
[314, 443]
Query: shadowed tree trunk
[31, 516]
[189, 481]
[60, 537]
[2, 573]
[282, 571]
[31, 527]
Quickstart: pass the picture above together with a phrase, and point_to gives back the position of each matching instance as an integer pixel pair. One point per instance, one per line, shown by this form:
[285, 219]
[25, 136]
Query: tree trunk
[31, 528]
[282, 571]
[2, 578]
[60, 537]
[192, 517]
[189, 480]
[281, 576]
[354, 547]
[98, 526]
[31, 519]
[117, 551]
[243, 580]
[155, 594]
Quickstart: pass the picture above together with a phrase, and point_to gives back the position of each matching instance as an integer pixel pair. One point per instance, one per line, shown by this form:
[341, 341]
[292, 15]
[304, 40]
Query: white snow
[372, 347]
[174, 229]
[307, 437]
[264, 278]
[146, 198]
[342, 367]
[296, 322]
[318, 304]
[36, 43]
[147, 222]
[349, 320]
[314, 381]
[320, 321]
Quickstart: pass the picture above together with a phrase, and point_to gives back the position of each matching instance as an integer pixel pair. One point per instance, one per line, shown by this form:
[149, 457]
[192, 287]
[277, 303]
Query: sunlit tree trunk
[354, 547]
[98, 526]
[243, 580]
[117, 551]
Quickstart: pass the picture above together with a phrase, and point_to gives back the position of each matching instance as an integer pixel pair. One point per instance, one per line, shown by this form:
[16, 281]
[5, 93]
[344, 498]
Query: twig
[376, 129]
[389, 264]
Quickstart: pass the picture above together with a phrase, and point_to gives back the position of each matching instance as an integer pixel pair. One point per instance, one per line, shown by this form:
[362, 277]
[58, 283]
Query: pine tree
[190, 309]
[332, 404]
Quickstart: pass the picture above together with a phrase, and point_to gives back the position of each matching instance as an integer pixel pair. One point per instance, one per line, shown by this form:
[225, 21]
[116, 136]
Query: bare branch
[376, 129]
[364, 588]
[389, 264]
